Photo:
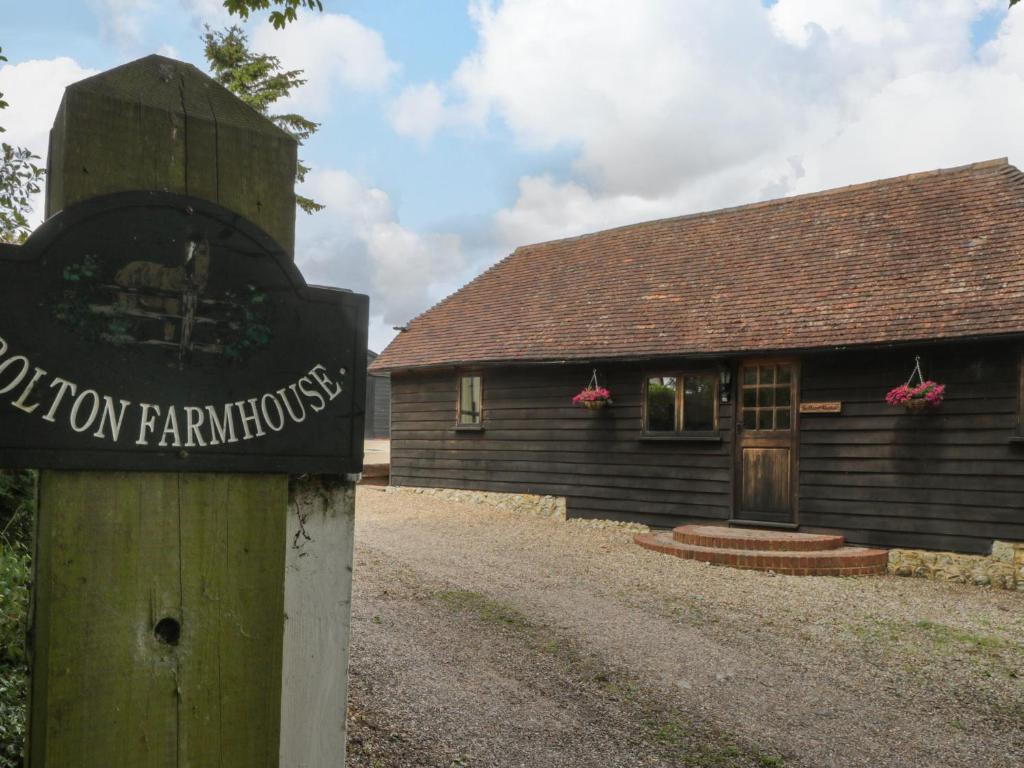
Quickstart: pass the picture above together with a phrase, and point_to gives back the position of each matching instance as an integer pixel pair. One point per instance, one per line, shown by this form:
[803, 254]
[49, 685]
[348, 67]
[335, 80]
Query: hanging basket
[916, 405]
[593, 397]
[917, 398]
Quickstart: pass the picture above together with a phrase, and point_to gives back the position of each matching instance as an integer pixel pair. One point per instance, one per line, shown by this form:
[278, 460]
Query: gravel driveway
[485, 638]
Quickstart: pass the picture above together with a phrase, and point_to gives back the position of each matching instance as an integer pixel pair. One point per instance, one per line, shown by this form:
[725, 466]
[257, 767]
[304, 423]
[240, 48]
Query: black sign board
[150, 331]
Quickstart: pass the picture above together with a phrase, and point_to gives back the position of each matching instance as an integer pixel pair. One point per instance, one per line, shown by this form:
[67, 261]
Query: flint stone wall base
[552, 507]
[1003, 569]
[525, 503]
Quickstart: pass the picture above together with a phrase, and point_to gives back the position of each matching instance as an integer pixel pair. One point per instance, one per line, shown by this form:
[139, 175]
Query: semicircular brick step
[828, 559]
[719, 537]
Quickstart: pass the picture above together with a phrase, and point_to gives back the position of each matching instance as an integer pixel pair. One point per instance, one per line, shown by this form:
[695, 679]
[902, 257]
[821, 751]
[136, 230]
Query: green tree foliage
[661, 406]
[259, 81]
[17, 500]
[1013, 2]
[17, 505]
[15, 575]
[284, 10]
[20, 178]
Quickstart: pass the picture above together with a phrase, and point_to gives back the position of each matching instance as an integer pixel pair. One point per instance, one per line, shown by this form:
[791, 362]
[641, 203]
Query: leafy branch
[279, 18]
[260, 81]
[20, 178]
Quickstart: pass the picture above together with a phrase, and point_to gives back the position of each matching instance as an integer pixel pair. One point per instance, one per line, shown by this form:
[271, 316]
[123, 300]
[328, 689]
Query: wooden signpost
[166, 366]
[150, 331]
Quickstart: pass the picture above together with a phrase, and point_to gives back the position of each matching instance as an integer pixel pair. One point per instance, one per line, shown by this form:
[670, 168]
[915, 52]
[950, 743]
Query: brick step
[716, 536]
[844, 561]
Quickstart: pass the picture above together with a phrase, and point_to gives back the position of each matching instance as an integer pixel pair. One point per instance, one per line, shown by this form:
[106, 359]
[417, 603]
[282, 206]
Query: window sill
[468, 428]
[697, 437]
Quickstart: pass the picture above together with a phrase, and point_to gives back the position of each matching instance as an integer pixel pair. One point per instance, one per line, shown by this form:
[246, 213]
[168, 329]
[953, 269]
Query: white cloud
[665, 91]
[122, 21]
[677, 107]
[358, 243]
[547, 209]
[418, 111]
[930, 117]
[927, 24]
[34, 89]
[331, 49]
[210, 11]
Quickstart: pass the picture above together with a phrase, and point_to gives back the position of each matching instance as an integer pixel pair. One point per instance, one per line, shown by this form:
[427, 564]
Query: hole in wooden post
[168, 631]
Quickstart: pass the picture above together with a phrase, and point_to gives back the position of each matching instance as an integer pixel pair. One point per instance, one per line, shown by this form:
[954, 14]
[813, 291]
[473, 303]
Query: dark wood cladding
[949, 479]
[535, 441]
[378, 407]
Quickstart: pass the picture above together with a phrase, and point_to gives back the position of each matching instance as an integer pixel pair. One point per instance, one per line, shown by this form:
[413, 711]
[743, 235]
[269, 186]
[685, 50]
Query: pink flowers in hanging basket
[927, 394]
[593, 398]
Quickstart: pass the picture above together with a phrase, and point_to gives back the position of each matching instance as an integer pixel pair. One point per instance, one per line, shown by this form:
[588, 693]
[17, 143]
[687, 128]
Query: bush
[17, 502]
[15, 575]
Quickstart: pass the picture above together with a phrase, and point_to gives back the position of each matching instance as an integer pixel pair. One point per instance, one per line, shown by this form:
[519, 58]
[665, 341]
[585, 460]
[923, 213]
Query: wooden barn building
[748, 353]
[377, 425]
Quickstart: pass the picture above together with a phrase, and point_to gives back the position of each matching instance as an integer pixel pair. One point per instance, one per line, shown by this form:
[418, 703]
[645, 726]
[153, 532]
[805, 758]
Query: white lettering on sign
[166, 426]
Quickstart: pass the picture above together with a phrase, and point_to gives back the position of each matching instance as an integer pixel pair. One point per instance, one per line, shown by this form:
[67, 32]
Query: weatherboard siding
[950, 479]
[535, 441]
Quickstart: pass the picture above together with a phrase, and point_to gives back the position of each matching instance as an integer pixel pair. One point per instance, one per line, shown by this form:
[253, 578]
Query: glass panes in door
[766, 397]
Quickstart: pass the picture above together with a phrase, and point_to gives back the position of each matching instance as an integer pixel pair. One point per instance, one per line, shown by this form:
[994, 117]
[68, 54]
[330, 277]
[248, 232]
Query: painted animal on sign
[164, 290]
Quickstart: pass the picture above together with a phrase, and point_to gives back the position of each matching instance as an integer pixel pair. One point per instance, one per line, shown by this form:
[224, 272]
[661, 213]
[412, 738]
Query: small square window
[470, 401]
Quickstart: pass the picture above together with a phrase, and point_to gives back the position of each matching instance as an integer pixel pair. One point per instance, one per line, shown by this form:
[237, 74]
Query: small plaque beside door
[829, 407]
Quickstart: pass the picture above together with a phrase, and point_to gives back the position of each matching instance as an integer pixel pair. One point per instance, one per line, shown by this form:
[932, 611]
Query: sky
[453, 131]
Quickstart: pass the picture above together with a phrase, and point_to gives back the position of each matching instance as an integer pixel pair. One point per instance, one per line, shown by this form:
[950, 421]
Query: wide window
[470, 401]
[685, 403]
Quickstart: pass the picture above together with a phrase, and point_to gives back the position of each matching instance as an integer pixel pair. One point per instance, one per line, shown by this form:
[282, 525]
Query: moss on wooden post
[160, 124]
[118, 554]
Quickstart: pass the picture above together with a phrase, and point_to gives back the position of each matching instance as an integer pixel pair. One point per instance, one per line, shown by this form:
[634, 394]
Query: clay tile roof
[926, 256]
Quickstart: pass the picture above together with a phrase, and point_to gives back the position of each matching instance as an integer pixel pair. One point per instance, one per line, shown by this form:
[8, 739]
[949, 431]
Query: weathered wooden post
[167, 367]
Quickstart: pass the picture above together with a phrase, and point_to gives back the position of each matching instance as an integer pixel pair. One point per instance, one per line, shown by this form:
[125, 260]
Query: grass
[937, 637]
[921, 643]
[664, 729]
[484, 608]
[942, 635]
